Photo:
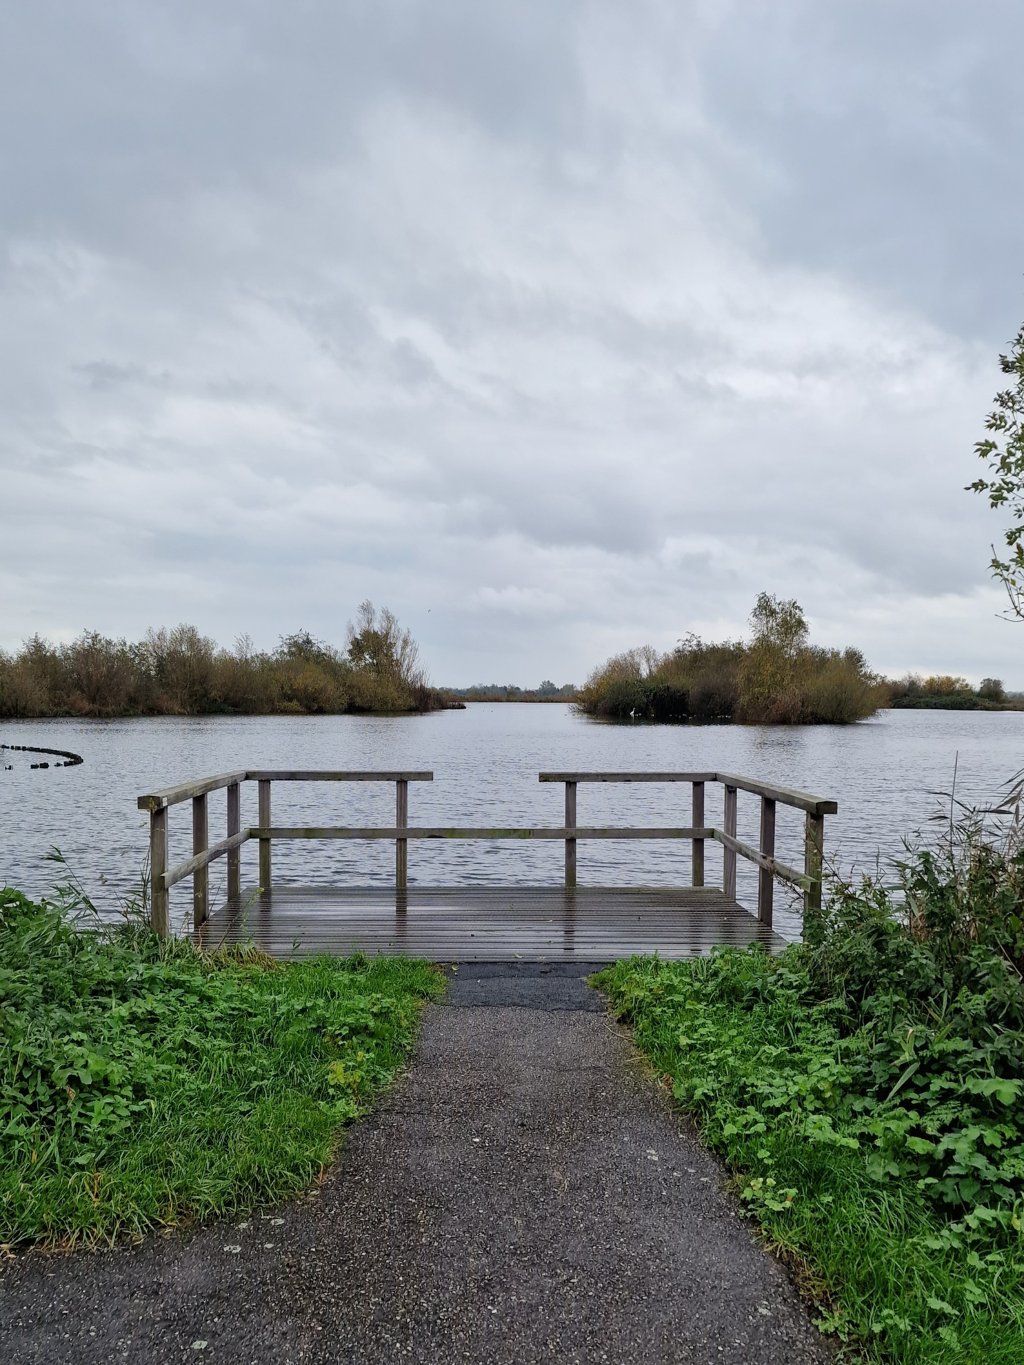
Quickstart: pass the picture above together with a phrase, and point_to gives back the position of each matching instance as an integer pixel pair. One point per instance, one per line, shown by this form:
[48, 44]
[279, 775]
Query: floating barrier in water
[68, 759]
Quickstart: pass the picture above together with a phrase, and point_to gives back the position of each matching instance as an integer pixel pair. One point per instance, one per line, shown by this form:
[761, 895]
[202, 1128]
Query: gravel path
[524, 1194]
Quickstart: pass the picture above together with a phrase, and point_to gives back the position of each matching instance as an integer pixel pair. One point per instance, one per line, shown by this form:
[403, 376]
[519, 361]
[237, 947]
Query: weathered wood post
[234, 856]
[159, 896]
[729, 854]
[697, 820]
[201, 876]
[766, 876]
[814, 844]
[570, 843]
[401, 845]
[264, 818]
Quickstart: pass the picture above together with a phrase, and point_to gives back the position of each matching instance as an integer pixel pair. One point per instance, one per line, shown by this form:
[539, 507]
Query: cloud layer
[556, 328]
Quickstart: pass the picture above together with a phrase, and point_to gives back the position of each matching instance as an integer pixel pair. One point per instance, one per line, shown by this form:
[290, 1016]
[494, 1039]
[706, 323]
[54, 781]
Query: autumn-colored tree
[377, 643]
[768, 675]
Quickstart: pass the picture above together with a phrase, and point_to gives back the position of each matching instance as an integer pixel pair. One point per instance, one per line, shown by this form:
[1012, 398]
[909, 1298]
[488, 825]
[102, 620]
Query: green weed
[866, 1092]
[144, 1084]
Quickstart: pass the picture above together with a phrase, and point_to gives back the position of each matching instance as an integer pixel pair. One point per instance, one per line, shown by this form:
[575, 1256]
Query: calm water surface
[485, 760]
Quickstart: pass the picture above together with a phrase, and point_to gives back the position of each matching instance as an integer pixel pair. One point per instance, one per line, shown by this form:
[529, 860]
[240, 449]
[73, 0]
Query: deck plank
[487, 923]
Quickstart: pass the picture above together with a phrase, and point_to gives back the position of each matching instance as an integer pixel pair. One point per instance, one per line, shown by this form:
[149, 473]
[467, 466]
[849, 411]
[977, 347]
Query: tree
[181, 661]
[1003, 452]
[303, 648]
[780, 624]
[768, 691]
[992, 689]
[378, 644]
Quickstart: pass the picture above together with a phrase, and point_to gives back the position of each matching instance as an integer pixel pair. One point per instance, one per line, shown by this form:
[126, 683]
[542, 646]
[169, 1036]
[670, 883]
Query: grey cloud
[556, 327]
[113, 106]
[104, 375]
[889, 134]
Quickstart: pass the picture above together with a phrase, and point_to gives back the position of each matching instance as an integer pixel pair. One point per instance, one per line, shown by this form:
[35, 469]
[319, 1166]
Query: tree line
[947, 692]
[777, 677]
[544, 691]
[181, 672]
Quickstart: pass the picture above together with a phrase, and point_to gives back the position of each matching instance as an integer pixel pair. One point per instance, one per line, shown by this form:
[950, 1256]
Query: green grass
[144, 1085]
[866, 1094]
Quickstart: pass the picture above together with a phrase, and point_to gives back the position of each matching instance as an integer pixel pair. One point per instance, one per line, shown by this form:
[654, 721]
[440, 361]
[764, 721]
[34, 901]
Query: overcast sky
[556, 327]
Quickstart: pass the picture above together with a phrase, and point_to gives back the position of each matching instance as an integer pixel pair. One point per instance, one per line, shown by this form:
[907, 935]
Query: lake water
[883, 772]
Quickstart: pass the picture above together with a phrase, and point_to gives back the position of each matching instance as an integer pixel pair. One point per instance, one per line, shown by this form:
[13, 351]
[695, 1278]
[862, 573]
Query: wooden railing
[698, 832]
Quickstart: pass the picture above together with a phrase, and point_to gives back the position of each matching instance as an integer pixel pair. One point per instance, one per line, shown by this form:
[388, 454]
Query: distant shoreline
[971, 703]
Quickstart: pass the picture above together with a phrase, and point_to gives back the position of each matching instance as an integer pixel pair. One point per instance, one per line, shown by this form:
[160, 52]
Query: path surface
[524, 1194]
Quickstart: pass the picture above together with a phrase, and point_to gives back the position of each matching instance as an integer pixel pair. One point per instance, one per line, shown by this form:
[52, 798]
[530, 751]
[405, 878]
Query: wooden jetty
[483, 923]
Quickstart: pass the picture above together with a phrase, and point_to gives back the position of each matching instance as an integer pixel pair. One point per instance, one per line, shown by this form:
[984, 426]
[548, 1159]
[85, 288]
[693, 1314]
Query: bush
[714, 695]
[666, 702]
[867, 1091]
[836, 694]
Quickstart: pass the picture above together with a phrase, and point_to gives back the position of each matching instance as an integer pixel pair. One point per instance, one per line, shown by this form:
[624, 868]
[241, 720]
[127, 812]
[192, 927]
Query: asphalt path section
[524, 1193]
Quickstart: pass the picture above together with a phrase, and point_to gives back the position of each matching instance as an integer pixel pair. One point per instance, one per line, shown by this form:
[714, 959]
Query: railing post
[814, 844]
[401, 845]
[159, 896]
[264, 818]
[234, 854]
[729, 854]
[570, 843]
[765, 876]
[201, 876]
[697, 821]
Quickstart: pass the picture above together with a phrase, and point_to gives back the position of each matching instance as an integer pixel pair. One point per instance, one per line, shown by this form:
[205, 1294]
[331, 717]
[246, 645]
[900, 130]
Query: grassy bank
[866, 1092]
[143, 1085]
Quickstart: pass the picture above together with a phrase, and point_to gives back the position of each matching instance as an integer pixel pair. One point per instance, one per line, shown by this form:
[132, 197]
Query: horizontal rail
[327, 775]
[627, 777]
[203, 859]
[780, 870]
[171, 796]
[476, 832]
[813, 805]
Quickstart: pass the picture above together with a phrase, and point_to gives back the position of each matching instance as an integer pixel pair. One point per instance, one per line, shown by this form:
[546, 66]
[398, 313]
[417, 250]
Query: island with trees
[777, 677]
[181, 672]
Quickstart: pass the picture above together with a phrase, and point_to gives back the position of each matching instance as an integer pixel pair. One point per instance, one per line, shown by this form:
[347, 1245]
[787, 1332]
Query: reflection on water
[485, 760]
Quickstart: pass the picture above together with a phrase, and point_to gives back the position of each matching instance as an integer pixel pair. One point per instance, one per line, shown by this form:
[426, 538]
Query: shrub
[866, 1090]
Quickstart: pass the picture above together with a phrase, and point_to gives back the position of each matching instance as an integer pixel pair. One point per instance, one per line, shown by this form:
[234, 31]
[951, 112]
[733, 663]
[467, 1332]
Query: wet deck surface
[487, 923]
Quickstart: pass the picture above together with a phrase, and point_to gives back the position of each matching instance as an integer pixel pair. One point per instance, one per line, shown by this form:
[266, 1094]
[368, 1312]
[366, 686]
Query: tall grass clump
[145, 1084]
[866, 1091]
[775, 677]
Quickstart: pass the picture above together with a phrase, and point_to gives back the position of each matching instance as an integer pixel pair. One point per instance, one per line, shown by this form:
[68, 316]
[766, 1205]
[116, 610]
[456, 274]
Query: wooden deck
[487, 923]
